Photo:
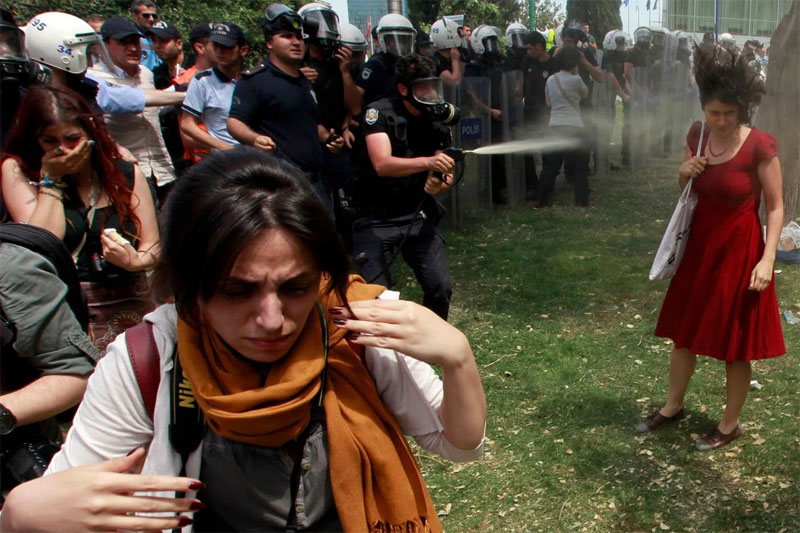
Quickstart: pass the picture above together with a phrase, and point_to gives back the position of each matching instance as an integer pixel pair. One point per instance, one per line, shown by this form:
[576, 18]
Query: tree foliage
[498, 13]
[546, 14]
[602, 15]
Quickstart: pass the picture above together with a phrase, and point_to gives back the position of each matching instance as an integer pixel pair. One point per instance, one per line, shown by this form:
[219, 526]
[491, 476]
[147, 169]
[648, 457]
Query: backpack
[52, 248]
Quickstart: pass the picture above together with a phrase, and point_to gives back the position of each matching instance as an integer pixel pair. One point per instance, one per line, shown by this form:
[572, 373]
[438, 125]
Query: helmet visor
[428, 91]
[12, 43]
[491, 45]
[398, 43]
[516, 40]
[327, 25]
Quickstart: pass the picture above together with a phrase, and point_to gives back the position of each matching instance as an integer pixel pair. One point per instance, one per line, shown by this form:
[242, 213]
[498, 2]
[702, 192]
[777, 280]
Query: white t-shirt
[565, 106]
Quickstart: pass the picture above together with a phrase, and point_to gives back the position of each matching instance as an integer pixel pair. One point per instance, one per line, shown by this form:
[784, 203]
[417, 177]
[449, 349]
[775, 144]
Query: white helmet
[726, 40]
[444, 34]
[320, 24]
[614, 38]
[514, 35]
[59, 40]
[484, 40]
[354, 39]
[396, 35]
[659, 36]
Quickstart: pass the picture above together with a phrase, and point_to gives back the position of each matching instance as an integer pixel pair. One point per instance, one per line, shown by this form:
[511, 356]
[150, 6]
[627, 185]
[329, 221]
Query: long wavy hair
[45, 106]
[728, 77]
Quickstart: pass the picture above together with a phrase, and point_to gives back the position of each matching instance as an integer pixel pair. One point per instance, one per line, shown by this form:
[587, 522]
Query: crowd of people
[245, 202]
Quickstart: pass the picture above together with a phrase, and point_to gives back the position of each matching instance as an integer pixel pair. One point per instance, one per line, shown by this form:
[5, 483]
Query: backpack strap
[145, 361]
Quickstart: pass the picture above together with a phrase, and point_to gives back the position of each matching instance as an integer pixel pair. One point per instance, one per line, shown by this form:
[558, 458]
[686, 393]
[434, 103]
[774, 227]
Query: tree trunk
[601, 15]
[780, 107]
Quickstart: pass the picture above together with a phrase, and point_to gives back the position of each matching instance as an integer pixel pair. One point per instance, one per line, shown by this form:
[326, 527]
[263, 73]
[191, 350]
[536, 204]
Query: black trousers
[375, 241]
[576, 167]
[626, 132]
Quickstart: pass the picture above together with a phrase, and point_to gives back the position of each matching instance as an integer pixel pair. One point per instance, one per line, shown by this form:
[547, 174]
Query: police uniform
[535, 109]
[389, 208]
[209, 99]
[284, 107]
[512, 61]
[443, 63]
[378, 78]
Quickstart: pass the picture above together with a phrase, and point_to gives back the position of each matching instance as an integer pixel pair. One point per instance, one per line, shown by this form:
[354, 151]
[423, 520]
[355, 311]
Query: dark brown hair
[729, 78]
[224, 202]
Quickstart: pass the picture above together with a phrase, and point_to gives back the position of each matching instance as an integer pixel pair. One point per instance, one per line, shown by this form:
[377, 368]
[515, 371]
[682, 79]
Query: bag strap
[560, 88]
[145, 360]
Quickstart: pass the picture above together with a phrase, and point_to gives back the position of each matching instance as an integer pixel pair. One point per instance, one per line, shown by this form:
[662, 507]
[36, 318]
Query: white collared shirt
[138, 132]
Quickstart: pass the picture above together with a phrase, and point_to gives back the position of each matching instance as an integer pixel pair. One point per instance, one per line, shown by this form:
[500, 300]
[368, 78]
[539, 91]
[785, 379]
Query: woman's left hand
[123, 256]
[406, 327]
[761, 276]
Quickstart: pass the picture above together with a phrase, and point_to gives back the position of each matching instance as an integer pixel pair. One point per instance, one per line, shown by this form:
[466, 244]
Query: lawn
[560, 313]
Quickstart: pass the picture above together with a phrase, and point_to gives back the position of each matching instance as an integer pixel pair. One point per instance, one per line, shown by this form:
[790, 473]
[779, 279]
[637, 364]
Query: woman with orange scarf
[308, 380]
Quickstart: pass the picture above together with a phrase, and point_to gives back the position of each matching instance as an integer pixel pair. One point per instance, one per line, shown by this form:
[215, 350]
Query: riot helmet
[515, 33]
[280, 17]
[573, 29]
[320, 25]
[643, 37]
[444, 34]
[485, 41]
[61, 41]
[727, 41]
[396, 35]
[616, 41]
[352, 37]
[659, 37]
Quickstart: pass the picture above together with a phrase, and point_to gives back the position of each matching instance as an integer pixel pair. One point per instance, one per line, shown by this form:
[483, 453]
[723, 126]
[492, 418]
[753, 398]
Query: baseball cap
[201, 31]
[227, 34]
[164, 30]
[119, 28]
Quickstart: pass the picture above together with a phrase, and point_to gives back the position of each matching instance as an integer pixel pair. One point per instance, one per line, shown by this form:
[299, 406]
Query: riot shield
[639, 143]
[513, 129]
[474, 190]
[449, 198]
[604, 98]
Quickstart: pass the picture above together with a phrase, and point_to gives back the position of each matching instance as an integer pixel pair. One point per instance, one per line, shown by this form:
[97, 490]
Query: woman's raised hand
[406, 327]
[693, 167]
[99, 498]
[120, 254]
[58, 162]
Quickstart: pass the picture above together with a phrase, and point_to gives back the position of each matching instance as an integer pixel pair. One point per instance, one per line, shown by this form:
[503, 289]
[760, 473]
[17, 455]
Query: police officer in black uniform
[396, 39]
[537, 66]
[397, 163]
[274, 106]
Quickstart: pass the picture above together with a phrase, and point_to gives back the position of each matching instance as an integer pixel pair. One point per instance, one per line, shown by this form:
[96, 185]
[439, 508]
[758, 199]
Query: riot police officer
[396, 164]
[515, 41]
[447, 54]
[396, 39]
[484, 43]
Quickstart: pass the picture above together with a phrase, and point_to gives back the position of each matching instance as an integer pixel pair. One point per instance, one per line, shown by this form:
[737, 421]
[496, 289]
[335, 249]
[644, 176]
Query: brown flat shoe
[717, 439]
[656, 420]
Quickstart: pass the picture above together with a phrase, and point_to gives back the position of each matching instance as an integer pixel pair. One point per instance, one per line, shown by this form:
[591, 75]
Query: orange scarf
[370, 460]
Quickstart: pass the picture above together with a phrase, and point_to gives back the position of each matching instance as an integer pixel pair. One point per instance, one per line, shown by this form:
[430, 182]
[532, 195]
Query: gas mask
[15, 67]
[426, 95]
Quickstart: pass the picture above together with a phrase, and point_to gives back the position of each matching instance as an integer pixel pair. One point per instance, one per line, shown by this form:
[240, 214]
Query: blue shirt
[209, 99]
[149, 57]
[114, 99]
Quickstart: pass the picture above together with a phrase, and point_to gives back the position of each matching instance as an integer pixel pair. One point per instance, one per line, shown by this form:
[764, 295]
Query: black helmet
[280, 17]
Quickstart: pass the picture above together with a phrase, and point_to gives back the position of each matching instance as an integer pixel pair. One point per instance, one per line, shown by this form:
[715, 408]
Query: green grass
[560, 313]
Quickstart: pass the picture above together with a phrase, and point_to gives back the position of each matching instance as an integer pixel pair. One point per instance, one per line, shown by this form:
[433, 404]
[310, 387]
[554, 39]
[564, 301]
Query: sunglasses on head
[153, 16]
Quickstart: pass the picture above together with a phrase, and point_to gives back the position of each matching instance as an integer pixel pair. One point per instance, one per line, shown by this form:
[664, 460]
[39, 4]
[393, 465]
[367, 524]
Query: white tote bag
[673, 244]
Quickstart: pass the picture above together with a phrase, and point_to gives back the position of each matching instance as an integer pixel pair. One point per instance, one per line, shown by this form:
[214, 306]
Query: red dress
[708, 308]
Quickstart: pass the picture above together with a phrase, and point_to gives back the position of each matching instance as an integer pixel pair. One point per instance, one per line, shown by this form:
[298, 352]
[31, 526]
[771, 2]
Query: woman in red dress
[721, 302]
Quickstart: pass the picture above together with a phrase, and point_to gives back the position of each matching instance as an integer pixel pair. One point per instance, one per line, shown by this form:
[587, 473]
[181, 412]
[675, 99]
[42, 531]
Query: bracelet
[48, 183]
[52, 195]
